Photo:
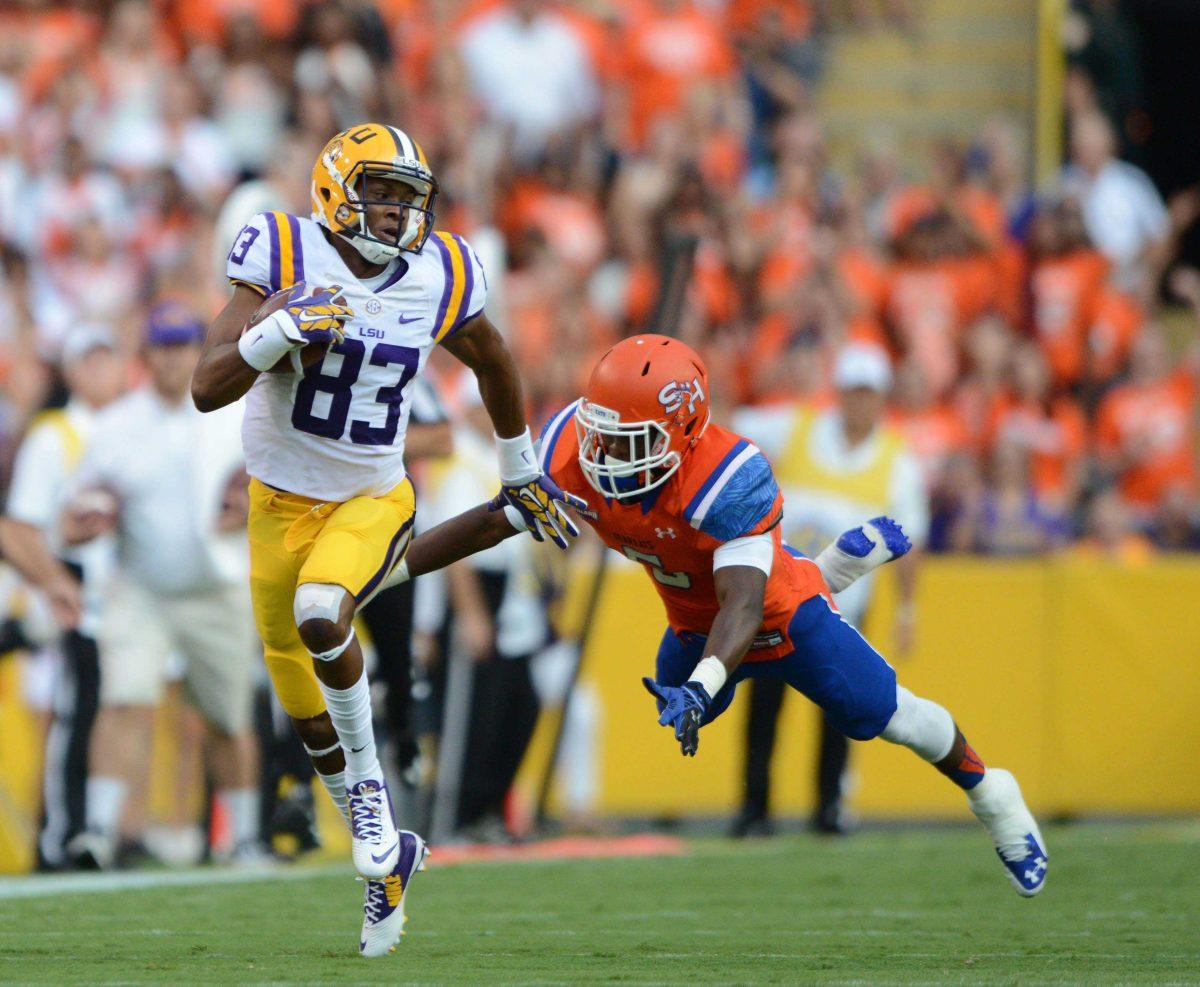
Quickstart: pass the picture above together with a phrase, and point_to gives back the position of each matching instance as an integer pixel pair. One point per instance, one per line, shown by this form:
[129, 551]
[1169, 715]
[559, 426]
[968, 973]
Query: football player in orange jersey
[698, 507]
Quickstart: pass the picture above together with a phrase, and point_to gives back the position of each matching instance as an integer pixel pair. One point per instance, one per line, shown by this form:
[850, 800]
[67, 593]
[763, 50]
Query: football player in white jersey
[366, 288]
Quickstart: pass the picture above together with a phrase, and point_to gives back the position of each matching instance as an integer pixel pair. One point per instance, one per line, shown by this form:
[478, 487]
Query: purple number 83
[241, 246]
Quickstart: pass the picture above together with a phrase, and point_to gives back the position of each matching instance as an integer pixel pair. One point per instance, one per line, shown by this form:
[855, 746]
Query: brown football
[310, 354]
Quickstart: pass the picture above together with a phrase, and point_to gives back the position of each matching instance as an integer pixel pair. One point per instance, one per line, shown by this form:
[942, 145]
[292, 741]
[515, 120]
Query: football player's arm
[740, 571]
[465, 534]
[223, 375]
[740, 593]
[478, 344]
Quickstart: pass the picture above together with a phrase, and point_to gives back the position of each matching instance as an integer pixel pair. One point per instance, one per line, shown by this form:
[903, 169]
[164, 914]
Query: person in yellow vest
[68, 578]
[834, 466]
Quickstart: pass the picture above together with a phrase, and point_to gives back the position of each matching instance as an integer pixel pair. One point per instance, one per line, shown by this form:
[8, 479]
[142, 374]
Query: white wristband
[711, 674]
[264, 344]
[518, 462]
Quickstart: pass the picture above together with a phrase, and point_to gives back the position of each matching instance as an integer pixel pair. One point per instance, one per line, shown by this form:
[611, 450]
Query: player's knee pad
[921, 725]
[317, 601]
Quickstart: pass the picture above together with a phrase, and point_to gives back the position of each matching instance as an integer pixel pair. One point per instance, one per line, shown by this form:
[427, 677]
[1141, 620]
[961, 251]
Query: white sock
[350, 711]
[335, 785]
[105, 800]
[921, 725]
[242, 804]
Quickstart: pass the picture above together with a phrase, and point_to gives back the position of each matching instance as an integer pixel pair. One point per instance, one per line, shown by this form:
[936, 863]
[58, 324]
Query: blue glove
[538, 501]
[683, 707]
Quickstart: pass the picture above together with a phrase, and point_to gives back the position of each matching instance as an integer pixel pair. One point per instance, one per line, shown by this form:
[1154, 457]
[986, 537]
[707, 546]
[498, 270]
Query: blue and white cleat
[997, 803]
[860, 550]
[374, 841]
[383, 901]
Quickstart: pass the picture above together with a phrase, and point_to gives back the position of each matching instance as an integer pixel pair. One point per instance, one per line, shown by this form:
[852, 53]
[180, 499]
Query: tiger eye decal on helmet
[340, 197]
[645, 406]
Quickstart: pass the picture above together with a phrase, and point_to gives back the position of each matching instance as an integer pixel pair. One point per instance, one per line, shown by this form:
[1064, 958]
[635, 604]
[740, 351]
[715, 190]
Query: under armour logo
[1039, 865]
[665, 532]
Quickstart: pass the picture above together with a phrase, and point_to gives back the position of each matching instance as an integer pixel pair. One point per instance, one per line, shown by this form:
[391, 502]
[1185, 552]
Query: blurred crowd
[589, 148]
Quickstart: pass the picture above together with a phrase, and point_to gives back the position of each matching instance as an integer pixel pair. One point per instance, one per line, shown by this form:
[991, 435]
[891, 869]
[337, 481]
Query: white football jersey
[337, 430]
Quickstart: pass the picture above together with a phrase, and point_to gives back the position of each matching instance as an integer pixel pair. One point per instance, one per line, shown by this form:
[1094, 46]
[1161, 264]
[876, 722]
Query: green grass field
[1122, 905]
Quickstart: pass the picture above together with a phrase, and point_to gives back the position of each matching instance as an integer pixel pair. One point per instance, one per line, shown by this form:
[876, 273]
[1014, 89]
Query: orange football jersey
[723, 490]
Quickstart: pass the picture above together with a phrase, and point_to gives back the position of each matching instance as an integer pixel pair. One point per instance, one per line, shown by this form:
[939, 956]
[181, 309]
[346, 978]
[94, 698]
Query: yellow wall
[1081, 676]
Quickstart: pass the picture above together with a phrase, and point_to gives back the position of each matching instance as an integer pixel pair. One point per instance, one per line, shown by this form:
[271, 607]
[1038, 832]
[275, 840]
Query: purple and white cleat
[374, 841]
[383, 901]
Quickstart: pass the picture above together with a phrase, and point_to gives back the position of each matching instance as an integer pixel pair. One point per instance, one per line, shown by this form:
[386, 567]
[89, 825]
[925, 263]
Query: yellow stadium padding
[1077, 674]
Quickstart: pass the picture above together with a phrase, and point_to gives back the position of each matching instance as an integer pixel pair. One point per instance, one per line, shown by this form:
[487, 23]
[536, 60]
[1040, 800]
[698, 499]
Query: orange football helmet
[645, 405]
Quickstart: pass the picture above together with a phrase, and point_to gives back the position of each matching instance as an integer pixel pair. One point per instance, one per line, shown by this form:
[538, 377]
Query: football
[310, 354]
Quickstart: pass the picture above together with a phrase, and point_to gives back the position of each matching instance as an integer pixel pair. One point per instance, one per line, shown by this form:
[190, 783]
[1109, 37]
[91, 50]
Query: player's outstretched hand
[539, 502]
[683, 707]
[318, 314]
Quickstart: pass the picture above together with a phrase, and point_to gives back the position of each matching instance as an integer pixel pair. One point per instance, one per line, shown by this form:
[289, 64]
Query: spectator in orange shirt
[1066, 282]
[1051, 430]
[1114, 329]
[672, 47]
[938, 286]
[984, 388]
[1145, 430]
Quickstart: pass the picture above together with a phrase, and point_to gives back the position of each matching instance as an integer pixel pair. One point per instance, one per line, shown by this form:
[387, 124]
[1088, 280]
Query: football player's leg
[676, 660]
[837, 668]
[993, 793]
[360, 544]
[273, 574]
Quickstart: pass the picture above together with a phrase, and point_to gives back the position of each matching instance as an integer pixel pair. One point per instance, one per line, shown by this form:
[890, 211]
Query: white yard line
[43, 885]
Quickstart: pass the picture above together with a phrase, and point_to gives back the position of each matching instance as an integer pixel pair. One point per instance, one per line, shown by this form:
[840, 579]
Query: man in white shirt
[834, 465]
[174, 484]
[531, 71]
[67, 577]
[1123, 212]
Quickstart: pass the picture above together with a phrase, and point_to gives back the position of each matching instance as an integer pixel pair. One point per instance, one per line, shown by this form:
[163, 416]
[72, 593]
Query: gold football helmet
[339, 185]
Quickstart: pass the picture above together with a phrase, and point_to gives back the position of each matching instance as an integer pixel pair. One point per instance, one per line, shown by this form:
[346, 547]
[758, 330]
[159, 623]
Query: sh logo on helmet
[676, 393]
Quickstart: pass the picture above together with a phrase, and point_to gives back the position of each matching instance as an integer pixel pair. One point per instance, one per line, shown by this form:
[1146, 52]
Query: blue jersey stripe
[730, 456]
[396, 275]
[273, 233]
[549, 438]
[297, 249]
[449, 286]
[468, 285]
